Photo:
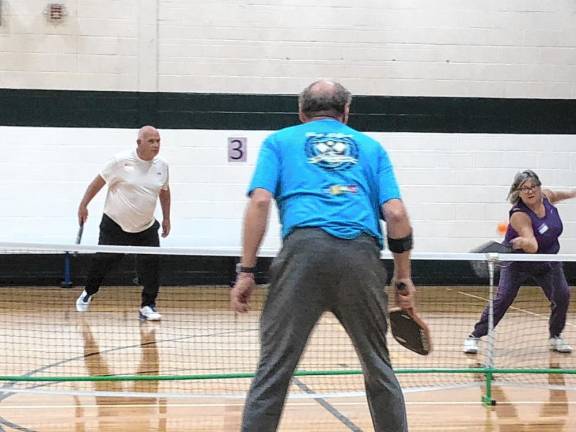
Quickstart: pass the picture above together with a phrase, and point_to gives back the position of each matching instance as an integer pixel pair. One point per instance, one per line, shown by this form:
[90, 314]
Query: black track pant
[148, 265]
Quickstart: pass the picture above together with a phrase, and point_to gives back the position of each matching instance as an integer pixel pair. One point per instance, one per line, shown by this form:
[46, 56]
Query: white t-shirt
[133, 188]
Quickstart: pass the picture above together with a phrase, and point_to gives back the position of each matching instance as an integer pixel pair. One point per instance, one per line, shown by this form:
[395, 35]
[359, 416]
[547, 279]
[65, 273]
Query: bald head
[146, 130]
[148, 142]
[324, 98]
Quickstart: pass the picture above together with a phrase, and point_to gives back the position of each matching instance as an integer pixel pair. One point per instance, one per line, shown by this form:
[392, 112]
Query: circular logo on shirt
[333, 151]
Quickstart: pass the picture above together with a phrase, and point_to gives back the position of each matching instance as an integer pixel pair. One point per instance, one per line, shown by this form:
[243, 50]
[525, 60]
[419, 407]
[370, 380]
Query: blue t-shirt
[327, 175]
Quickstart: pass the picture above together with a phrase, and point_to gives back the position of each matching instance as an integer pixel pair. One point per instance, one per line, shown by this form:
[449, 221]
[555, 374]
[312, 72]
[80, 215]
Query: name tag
[543, 228]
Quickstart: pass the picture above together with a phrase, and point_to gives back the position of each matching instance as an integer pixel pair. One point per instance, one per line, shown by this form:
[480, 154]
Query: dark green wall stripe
[99, 109]
[47, 270]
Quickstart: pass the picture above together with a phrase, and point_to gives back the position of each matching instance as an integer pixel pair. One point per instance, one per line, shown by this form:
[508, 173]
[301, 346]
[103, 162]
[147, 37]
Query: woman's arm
[523, 226]
[555, 196]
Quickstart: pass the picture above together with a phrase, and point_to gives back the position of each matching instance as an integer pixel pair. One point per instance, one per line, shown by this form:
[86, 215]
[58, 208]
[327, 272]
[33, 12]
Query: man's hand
[166, 227]
[93, 188]
[82, 214]
[241, 292]
[404, 293]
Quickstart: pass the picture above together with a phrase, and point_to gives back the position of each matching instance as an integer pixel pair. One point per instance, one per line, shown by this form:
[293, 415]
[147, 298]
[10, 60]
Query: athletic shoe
[149, 313]
[83, 302]
[559, 345]
[471, 345]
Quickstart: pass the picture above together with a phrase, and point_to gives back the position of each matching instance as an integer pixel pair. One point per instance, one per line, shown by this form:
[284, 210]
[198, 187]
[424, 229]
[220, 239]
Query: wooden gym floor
[447, 411]
[42, 334]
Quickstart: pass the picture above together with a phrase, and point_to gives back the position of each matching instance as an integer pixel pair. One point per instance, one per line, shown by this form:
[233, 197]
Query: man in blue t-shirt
[332, 185]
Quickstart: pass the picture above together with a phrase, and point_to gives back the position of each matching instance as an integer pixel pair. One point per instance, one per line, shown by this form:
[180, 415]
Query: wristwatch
[241, 269]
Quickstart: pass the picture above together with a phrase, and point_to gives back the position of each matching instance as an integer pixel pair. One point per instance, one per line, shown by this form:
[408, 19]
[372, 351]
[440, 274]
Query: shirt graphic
[331, 151]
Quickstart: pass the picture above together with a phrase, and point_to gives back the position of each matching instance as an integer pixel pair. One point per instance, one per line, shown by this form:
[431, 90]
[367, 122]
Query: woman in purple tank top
[534, 227]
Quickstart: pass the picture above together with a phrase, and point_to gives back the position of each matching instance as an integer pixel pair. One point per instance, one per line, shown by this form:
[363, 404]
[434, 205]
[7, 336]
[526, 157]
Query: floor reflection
[151, 411]
[553, 412]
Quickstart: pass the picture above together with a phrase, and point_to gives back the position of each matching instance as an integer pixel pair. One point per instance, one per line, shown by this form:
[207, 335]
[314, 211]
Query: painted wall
[490, 48]
[454, 184]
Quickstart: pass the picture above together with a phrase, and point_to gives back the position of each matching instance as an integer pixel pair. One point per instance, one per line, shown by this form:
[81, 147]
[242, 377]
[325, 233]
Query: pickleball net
[202, 349]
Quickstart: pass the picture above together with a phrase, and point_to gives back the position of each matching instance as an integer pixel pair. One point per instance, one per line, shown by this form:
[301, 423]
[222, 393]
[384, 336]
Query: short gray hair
[324, 98]
[519, 179]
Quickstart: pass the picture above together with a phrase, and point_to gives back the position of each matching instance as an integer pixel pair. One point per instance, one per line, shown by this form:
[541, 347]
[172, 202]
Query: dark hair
[324, 98]
[519, 179]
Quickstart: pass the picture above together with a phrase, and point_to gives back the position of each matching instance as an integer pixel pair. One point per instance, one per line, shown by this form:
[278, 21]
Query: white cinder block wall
[492, 48]
[454, 184]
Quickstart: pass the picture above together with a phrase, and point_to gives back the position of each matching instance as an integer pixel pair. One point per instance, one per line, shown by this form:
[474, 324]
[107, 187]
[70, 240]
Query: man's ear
[346, 114]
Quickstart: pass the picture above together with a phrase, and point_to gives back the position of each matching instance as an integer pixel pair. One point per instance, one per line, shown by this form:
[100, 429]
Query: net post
[67, 277]
[489, 366]
[487, 398]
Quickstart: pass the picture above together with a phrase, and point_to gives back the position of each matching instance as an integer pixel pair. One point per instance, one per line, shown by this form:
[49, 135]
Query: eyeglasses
[527, 189]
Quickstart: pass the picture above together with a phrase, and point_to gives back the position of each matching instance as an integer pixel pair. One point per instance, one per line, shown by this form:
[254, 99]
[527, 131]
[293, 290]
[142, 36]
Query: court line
[305, 404]
[538, 315]
[328, 406]
[125, 394]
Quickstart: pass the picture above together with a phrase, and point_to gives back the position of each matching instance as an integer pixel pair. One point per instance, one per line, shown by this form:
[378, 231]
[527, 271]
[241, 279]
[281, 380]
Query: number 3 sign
[237, 149]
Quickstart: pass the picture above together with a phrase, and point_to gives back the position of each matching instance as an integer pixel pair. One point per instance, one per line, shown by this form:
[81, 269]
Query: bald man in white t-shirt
[136, 180]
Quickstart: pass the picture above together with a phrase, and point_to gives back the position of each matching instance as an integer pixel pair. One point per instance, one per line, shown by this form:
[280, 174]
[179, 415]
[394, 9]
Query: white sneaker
[83, 302]
[471, 345]
[559, 345]
[149, 313]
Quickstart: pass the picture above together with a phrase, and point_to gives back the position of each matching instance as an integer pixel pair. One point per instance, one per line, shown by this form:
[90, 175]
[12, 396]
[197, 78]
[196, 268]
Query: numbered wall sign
[237, 149]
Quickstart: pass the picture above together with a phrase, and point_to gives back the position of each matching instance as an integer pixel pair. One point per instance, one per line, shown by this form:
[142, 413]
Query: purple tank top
[546, 229]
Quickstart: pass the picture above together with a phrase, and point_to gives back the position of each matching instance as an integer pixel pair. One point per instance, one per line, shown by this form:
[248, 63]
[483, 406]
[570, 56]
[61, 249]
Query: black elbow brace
[401, 245]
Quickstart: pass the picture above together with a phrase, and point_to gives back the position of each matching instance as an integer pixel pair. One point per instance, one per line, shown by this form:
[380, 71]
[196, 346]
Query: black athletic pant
[148, 265]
